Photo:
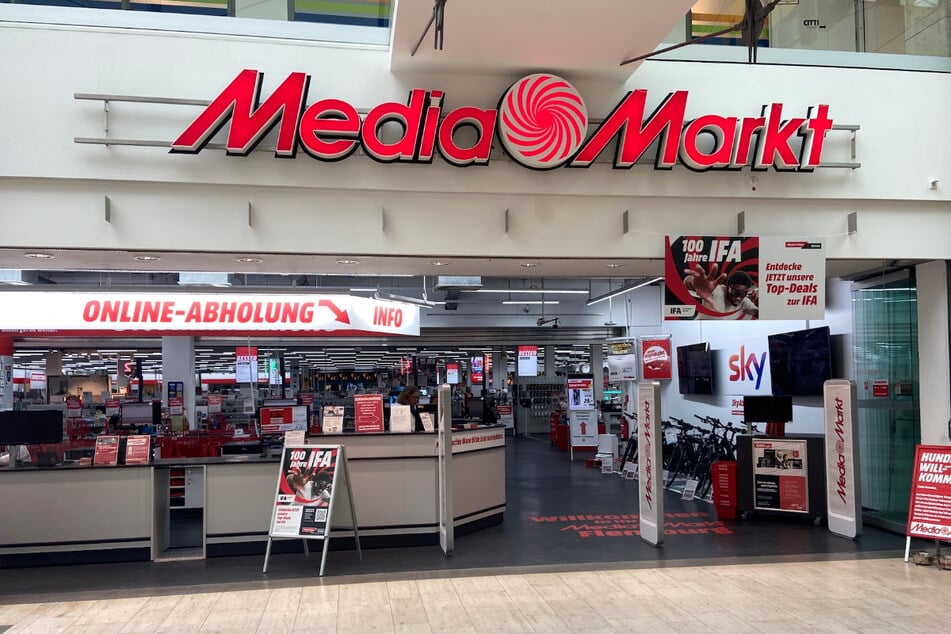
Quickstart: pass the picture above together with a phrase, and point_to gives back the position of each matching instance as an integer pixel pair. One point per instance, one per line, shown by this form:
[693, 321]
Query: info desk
[73, 514]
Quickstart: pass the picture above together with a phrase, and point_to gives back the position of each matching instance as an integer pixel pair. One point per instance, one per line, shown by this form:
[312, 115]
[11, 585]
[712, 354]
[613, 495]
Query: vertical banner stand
[303, 508]
[444, 454]
[843, 488]
[649, 464]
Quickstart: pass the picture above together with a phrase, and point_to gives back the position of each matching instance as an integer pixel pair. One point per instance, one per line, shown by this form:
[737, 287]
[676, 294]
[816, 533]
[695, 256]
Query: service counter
[73, 514]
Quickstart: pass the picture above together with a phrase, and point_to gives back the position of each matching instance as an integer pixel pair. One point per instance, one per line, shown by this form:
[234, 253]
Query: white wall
[53, 189]
[933, 373]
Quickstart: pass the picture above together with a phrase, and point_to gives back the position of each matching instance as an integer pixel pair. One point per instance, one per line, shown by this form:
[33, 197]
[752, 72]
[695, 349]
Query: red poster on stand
[107, 451]
[929, 511]
[368, 413]
[137, 449]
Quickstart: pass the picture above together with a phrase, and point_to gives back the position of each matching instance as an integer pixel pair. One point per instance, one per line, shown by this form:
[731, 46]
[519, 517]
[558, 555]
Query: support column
[499, 370]
[597, 369]
[550, 361]
[178, 364]
[6, 373]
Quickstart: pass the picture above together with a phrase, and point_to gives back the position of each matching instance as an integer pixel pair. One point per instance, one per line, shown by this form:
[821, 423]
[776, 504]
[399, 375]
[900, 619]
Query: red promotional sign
[880, 388]
[137, 449]
[929, 511]
[107, 451]
[368, 413]
[655, 358]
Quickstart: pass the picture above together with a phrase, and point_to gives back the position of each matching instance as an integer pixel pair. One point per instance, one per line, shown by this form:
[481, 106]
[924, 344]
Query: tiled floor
[546, 568]
[856, 595]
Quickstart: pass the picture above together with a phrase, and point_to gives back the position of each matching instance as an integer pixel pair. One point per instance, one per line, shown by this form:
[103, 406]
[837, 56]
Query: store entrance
[885, 341]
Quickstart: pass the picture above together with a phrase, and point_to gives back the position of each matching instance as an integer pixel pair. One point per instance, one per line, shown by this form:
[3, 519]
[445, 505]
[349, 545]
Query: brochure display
[314, 481]
[929, 510]
[780, 476]
[650, 443]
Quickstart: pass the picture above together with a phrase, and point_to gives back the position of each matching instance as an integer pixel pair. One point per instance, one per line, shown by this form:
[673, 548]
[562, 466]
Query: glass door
[885, 350]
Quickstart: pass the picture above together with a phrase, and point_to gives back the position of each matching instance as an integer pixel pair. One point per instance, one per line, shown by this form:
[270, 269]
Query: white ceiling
[572, 38]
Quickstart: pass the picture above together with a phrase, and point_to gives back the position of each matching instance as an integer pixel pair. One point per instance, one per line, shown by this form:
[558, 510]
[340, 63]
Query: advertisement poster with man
[743, 278]
[304, 491]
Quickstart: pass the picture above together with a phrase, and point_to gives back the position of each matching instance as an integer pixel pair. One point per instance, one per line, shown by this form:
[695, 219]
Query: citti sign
[541, 122]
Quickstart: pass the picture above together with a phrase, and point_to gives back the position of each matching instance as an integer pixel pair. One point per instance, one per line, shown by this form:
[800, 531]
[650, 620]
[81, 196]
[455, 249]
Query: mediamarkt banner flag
[736, 277]
[298, 314]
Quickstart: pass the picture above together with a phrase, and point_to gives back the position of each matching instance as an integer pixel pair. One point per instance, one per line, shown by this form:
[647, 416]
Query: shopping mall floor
[560, 562]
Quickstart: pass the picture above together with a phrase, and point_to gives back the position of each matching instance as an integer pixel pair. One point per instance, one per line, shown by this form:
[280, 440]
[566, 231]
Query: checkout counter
[82, 514]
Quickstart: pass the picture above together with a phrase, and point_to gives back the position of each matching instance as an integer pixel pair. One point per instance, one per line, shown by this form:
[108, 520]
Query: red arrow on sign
[584, 429]
[342, 315]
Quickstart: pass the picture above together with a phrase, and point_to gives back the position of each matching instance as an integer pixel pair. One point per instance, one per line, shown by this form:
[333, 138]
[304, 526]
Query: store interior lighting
[623, 289]
[403, 298]
[218, 280]
[15, 277]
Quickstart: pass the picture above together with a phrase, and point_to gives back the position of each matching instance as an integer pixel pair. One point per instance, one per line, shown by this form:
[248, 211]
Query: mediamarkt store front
[473, 172]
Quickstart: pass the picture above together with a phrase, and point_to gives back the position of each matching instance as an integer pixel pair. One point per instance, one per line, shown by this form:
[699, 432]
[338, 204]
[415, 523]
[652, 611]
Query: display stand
[303, 505]
[582, 417]
[929, 507]
[650, 485]
[783, 477]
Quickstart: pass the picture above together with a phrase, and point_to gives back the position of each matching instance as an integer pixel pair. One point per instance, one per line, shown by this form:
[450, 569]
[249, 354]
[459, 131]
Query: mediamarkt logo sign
[541, 121]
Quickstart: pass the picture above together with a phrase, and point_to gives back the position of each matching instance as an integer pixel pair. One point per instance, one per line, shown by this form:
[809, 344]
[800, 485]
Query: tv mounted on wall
[695, 369]
[767, 409]
[800, 361]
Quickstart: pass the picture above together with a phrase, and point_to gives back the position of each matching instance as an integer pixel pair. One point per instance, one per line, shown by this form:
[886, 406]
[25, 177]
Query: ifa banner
[843, 492]
[736, 277]
[929, 511]
[189, 314]
[304, 491]
[656, 362]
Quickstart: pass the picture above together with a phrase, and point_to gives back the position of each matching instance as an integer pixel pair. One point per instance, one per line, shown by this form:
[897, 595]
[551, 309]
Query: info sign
[740, 277]
[929, 512]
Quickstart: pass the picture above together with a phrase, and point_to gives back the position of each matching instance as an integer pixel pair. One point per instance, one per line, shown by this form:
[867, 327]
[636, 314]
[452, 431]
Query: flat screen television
[767, 409]
[695, 369]
[31, 427]
[145, 413]
[800, 361]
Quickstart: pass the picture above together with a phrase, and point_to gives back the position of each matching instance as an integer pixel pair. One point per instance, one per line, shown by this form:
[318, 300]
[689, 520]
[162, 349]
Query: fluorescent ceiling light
[220, 280]
[537, 291]
[402, 298]
[529, 301]
[622, 290]
[15, 277]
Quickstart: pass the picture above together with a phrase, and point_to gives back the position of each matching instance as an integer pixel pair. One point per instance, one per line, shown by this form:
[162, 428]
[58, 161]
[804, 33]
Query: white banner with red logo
[929, 511]
[528, 361]
[843, 493]
[656, 362]
[128, 314]
[650, 462]
[246, 364]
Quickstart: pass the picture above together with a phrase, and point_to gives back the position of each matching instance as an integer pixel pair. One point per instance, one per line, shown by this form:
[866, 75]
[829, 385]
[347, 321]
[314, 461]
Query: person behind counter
[410, 396]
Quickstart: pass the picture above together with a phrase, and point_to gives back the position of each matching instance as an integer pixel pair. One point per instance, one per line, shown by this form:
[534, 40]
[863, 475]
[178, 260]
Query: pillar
[499, 371]
[549, 361]
[6, 373]
[597, 369]
[178, 364]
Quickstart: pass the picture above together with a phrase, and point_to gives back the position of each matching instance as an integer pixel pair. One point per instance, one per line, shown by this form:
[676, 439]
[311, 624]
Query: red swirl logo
[542, 121]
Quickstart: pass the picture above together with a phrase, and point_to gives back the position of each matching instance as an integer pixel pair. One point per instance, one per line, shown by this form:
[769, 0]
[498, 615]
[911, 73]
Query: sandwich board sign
[313, 487]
